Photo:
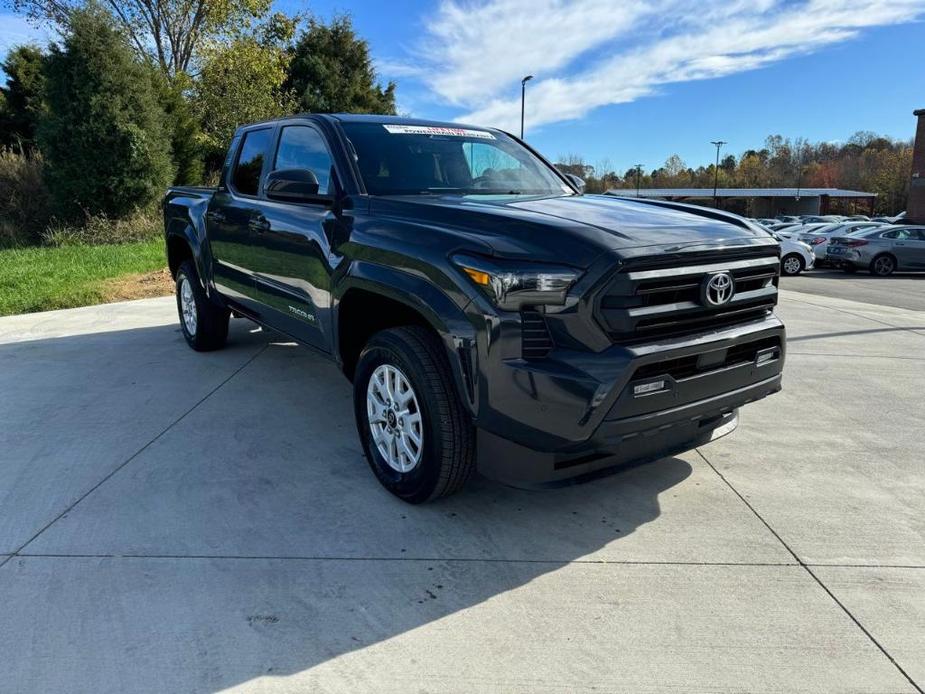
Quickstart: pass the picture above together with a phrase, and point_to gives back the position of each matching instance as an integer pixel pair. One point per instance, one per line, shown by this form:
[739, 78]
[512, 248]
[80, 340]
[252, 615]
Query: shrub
[24, 200]
[143, 225]
[104, 140]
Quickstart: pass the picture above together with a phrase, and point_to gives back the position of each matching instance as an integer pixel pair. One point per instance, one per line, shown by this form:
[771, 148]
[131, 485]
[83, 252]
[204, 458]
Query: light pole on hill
[638, 174]
[717, 144]
[523, 99]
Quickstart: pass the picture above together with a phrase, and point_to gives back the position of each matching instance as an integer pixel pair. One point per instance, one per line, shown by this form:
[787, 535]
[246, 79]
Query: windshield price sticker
[432, 130]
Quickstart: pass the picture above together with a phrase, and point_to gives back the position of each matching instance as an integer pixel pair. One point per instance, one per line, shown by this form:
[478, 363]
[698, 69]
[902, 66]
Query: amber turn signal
[479, 277]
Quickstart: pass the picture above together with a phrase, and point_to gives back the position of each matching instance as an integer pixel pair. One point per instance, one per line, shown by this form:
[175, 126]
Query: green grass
[44, 278]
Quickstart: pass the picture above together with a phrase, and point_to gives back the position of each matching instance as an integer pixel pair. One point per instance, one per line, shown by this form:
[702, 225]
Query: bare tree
[167, 32]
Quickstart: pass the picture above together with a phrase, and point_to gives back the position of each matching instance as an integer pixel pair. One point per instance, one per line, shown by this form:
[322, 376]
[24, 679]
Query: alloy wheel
[188, 305]
[883, 265]
[394, 418]
[792, 265]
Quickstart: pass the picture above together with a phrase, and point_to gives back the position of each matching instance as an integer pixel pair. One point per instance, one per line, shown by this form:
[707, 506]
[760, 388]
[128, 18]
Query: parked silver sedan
[819, 236]
[882, 251]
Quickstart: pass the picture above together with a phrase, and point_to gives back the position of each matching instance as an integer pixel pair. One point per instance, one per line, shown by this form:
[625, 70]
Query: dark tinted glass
[302, 147]
[405, 159]
[246, 179]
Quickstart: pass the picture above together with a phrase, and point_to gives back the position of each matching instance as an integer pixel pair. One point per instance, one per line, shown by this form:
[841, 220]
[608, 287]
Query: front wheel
[416, 435]
[204, 324]
[792, 264]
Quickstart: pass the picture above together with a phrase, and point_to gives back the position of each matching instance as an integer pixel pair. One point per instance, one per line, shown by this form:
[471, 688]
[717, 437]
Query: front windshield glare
[421, 160]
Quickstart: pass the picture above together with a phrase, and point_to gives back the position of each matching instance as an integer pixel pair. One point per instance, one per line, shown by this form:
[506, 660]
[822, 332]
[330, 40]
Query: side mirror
[294, 185]
[576, 181]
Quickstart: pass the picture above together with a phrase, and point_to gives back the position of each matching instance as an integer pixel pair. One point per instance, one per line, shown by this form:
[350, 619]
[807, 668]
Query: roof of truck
[372, 118]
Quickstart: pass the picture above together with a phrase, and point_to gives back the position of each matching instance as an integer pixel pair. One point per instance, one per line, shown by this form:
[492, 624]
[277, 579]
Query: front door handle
[216, 217]
[259, 224]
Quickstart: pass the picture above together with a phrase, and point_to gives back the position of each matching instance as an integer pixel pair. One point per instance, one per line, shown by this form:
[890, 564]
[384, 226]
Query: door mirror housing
[295, 185]
[576, 181]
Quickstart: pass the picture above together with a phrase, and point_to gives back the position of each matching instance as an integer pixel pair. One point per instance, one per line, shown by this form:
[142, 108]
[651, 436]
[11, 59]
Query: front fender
[438, 309]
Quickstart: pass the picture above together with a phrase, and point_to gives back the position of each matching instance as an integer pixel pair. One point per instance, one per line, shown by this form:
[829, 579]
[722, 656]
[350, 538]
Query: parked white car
[795, 256]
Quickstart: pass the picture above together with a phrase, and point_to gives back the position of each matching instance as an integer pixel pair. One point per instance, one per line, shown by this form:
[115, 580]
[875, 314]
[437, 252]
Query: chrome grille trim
[772, 263]
[640, 305]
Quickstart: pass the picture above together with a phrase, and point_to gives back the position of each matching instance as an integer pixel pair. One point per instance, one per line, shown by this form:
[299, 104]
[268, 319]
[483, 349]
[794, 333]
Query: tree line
[140, 94]
[865, 162]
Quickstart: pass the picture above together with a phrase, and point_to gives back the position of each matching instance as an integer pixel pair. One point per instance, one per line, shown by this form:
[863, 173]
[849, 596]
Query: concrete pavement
[902, 290]
[174, 521]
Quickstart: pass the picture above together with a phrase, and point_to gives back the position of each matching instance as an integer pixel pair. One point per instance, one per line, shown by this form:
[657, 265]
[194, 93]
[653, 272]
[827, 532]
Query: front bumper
[576, 413]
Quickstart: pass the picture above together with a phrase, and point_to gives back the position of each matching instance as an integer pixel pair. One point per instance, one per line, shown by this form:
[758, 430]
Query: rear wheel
[883, 265]
[792, 264]
[204, 323]
[417, 437]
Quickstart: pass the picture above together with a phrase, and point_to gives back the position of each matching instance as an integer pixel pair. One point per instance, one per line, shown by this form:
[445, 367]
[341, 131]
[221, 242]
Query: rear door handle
[259, 224]
[217, 217]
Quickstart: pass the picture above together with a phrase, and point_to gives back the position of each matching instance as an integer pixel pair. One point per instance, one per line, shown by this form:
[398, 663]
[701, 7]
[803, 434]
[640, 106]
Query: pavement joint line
[464, 560]
[914, 331]
[301, 557]
[808, 569]
[791, 353]
[134, 455]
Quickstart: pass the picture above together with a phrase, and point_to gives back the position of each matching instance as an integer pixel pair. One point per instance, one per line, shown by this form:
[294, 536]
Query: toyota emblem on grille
[718, 289]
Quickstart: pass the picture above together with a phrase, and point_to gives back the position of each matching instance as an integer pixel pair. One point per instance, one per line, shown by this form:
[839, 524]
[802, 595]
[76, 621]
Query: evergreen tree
[104, 140]
[331, 72]
[22, 100]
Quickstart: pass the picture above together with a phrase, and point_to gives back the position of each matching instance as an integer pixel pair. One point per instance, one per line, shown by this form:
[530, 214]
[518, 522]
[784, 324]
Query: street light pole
[523, 98]
[638, 174]
[718, 144]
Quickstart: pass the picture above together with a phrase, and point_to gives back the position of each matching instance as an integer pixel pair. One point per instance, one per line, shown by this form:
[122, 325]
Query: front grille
[536, 342]
[646, 300]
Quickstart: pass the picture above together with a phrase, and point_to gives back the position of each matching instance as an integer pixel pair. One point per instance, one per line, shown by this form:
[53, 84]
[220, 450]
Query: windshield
[416, 159]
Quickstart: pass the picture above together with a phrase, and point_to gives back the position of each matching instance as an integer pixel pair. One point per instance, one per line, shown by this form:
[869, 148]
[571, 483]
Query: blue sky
[629, 83]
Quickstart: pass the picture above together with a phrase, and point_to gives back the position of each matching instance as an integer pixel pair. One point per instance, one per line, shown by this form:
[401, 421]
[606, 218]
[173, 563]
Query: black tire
[883, 265]
[800, 264]
[447, 453]
[210, 330]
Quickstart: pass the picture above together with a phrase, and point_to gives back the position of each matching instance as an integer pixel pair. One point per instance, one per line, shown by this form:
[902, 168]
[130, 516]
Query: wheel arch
[183, 243]
[375, 297]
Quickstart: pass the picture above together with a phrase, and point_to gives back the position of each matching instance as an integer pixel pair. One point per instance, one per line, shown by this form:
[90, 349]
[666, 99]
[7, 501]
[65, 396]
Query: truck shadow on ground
[251, 540]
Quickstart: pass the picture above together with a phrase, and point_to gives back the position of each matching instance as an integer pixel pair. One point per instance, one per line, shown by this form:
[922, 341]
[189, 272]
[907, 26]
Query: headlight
[512, 285]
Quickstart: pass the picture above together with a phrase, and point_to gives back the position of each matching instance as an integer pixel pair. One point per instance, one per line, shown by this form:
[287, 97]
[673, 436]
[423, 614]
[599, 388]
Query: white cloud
[15, 30]
[590, 53]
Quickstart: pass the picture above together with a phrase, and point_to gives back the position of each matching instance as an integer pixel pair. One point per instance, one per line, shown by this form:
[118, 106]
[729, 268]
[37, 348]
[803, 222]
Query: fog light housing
[649, 388]
[766, 356]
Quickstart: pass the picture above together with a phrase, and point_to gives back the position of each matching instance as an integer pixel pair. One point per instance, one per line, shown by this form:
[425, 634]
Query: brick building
[915, 211]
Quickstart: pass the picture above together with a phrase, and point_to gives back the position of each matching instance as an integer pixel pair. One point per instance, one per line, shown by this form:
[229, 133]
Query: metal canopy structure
[794, 200]
[740, 193]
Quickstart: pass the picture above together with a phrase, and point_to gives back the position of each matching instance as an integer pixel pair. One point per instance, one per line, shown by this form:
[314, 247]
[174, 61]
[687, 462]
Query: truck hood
[573, 229]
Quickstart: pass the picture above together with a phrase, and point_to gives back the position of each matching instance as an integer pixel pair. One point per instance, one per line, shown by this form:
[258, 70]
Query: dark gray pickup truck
[490, 316]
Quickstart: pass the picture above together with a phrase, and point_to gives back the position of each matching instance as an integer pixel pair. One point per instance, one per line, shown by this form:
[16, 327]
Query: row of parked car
[882, 245]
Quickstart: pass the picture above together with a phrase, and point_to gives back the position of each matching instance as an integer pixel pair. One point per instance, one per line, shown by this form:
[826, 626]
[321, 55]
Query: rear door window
[246, 177]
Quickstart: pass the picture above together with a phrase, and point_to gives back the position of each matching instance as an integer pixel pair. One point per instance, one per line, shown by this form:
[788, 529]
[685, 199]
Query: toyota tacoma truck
[489, 315]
